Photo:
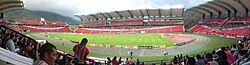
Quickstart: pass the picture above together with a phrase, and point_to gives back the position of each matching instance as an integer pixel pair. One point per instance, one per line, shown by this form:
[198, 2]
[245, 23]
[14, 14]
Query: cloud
[70, 7]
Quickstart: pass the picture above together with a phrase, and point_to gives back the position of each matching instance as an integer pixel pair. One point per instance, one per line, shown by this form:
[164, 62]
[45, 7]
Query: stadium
[154, 36]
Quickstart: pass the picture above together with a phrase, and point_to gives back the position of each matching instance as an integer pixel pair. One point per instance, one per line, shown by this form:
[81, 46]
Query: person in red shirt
[81, 51]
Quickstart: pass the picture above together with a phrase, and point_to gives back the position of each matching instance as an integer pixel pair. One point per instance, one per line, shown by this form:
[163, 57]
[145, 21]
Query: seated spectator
[242, 55]
[109, 61]
[222, 58]
[7, 42]
[209, 59]
[138, 62]
[114, 61]
[175, 61]
[230, 57]
[199, 60]
[191, 61]
[215, 56]
[131, 61]
[47, 55]
[120, 60]
[142, 63]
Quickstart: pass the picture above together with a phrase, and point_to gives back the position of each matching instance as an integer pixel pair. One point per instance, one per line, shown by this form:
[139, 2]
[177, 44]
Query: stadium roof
[6, 5]
[222, 6]
[177, 12]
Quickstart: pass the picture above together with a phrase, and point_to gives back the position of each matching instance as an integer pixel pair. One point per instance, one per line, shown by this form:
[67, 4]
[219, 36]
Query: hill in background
[37, 15]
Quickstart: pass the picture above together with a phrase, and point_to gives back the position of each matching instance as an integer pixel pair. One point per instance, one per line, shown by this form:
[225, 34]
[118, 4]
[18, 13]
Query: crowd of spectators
[237, 54]
[42, 54]
[128, 61]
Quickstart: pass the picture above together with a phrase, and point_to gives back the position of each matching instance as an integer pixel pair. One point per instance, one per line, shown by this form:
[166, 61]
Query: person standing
[131, 54]
[165, 52]
[81, 52]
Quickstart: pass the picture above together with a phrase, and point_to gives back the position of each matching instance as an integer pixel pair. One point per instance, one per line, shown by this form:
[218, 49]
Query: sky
[70, 8]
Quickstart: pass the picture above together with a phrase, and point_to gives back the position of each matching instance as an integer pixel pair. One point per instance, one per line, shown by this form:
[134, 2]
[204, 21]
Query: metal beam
[141, 13]
[104, 16]
[93, 16]
[10, 2]
[210, 7]
[203, 9]
[198, 10]
[219, 5]
[195, 11]
[243, 5]
[226, 4]
[118, 14]
[11, 6]
[159, 12]
[171, 13]
[109, 15]
[131, 15]
[147, 12]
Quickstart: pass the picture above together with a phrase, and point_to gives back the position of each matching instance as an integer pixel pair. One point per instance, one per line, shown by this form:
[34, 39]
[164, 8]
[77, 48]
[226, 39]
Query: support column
[203, 16]
[228, 14]
[2, 15]
[211, 15]
[219, 15]
[247, 12]
[235, 13]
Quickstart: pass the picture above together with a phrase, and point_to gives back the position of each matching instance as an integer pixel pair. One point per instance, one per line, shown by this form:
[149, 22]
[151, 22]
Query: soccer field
[118, 39]
[189, 49]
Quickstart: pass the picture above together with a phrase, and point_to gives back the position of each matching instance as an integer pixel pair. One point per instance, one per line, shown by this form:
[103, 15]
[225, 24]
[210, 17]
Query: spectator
[81, 51]
[131, 61]
[127, 62]
[164, 64]
[175, 61]
[215, 56]
[165, 52]
[131, 53]
[199, 60]
[109, 61]
[114, 61]
[142, 63]
[47, 55]
[209, 59]
[7, 42]
[120, 60]
[185, 59]
[191, 61]
[138, 62]
[230, 57]
[234, 49]
[242, 55]
[222, 58]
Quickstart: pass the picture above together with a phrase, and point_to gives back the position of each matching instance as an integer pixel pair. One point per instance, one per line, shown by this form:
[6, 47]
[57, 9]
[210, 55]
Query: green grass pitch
[118, 39]
[216, 42]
